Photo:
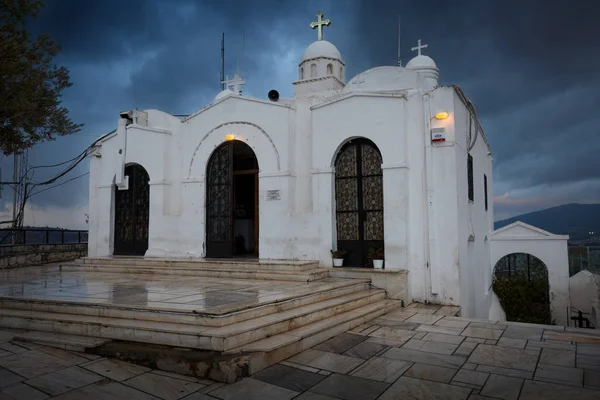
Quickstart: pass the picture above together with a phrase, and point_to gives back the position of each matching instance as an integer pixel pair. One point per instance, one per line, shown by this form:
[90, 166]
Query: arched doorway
[359, 201]
[232, 201]
[521, 284]
[132, 213]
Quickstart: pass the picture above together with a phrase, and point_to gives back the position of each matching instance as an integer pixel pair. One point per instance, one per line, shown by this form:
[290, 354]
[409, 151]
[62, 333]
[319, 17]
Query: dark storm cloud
[528, 66]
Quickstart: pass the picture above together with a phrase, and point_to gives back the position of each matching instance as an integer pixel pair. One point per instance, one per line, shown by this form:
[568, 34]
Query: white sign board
[438, 135]
[273, 195]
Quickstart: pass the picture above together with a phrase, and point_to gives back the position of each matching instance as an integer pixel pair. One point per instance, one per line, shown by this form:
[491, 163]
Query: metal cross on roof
[419, 47]
[236, 83]
[319, 25]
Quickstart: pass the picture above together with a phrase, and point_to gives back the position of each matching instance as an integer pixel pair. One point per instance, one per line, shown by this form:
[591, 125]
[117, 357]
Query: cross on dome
[419, 47]
[236, 83]
[319, 25]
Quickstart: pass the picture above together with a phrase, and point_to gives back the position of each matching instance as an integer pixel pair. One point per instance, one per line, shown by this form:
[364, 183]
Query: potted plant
[377, 256]
[338, 257]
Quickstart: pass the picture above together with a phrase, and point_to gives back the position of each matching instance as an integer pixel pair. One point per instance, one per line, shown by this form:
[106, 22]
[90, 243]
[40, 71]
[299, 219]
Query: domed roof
[223, 94]
[421, 61]
[321, 48]
[387, 78]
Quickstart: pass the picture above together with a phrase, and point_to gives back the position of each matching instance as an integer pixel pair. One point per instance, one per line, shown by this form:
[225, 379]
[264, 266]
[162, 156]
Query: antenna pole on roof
[399, 62]
[222, 61]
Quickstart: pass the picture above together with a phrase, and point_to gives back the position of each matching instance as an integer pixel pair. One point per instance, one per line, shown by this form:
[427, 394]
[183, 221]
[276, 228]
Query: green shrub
[524, 300]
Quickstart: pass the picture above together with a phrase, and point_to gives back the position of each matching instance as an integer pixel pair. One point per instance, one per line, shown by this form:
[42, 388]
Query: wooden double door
[232, 202]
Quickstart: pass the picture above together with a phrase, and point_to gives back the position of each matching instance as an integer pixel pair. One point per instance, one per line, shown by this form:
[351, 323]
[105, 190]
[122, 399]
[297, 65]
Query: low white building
[387, 160]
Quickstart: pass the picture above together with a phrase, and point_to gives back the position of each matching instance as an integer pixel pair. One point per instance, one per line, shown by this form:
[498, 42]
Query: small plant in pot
[338, 257]
[377, 256]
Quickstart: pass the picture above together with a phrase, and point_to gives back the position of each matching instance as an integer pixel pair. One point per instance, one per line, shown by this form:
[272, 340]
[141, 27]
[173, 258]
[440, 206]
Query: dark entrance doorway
[232, 202]
[132, 213]
[359, 201]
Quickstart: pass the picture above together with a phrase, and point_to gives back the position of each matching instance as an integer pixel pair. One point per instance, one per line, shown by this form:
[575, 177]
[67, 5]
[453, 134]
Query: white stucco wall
[585, 295]
[550, 249]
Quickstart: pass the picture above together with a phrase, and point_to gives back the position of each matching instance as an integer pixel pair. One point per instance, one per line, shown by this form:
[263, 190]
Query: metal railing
[10, 236]
[584, 258]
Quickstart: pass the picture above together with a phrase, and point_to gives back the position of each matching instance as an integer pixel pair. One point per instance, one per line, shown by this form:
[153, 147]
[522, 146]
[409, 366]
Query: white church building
[387, 160]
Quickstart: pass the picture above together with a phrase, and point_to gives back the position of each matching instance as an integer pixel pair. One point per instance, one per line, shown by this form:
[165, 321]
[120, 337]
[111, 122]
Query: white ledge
[149, 129]
[395, 166]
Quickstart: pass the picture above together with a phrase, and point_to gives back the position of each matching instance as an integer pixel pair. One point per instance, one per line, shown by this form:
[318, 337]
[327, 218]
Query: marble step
[184, 335]
[305, 297]
[269, 351]
[224, 272]
[61, 341]
[276, 265]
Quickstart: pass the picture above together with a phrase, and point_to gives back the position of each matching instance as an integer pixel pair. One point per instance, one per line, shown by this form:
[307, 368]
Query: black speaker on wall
[273, 95]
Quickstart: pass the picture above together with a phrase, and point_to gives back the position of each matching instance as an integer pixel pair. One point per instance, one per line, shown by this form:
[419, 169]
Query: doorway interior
[232, 202]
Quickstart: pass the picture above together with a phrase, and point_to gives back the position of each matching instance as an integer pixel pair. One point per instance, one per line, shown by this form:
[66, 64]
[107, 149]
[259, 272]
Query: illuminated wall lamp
[230, 137]
[442, 115]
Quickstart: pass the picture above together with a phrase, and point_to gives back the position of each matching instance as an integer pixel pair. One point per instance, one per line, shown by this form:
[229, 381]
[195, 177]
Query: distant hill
[575, 220]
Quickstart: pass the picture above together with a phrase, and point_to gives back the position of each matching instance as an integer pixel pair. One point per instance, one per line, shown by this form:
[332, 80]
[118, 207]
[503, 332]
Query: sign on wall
[273, 195]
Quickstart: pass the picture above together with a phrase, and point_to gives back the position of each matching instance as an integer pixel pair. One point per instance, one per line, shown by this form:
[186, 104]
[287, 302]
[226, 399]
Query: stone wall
[22, 255]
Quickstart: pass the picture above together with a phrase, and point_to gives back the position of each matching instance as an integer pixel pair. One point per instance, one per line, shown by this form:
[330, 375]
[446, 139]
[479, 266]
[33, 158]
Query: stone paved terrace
[418, 352]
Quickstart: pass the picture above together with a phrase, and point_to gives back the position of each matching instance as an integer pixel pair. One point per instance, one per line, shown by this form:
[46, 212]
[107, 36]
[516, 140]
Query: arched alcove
[301, 73]
[329, 69]
[359, 201]
[521, 283]
[232, 201]
[313, 70]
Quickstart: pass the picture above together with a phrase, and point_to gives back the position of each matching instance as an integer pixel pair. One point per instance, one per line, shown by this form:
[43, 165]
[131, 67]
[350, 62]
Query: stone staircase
[305, 271]
[253, 335]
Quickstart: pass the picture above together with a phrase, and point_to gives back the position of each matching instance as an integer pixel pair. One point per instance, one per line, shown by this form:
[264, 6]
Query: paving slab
[506, 357]
[8, 378]
[288, 377]
[482, 333]
[328, 361]
[510, 342]
[411, 388]
[502, 387]
[22, 391]
[535, 390]
[33, 363]
[443, 338]
[431, 372]
[115, 369]
[515, 373]
[472, 377]
[425, 358]
[558, 374]
[388, 332]
[350, 387]
[106, 389]
[522, 332]
[340, 343]
[565, 358]
[430, 347]
[364, 350]
[252, 389]
[165, 387]
[425, 318]
[382, 369]
[63, 381]
[591, 379]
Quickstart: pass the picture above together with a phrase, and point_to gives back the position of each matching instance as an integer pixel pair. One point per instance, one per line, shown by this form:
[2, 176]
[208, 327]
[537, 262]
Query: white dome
[223, 94]
[421, 61]
[387, 78]
[321, 48]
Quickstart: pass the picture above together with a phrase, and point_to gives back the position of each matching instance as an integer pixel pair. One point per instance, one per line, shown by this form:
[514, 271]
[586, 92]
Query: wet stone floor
[418, 352]
[165, 292]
